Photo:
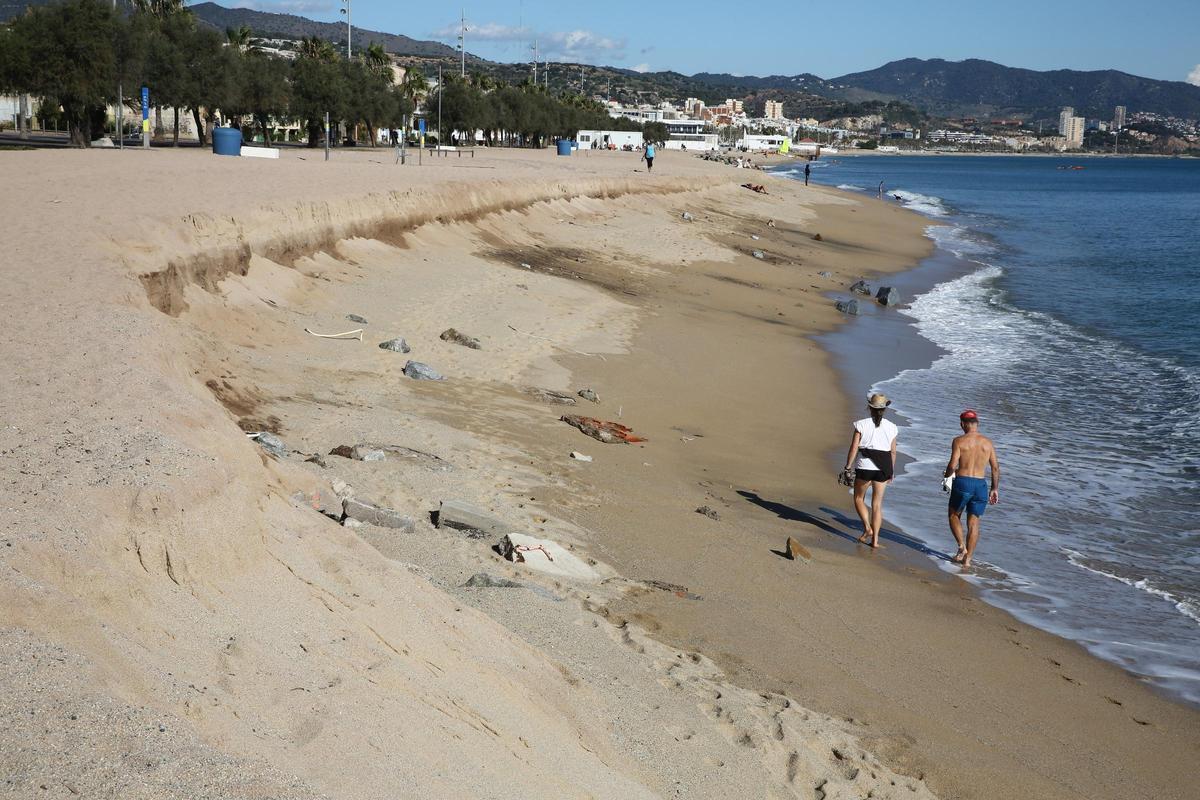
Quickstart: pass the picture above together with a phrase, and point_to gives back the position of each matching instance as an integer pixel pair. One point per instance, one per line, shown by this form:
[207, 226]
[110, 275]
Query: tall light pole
[120, 116]
[462, 41]
[535, 62]
[346, 11]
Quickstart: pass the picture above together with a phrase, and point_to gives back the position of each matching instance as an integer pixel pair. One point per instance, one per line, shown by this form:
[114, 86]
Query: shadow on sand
[836, 518]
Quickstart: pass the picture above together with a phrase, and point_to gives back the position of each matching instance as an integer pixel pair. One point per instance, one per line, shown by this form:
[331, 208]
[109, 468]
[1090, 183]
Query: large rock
[372, 514]
[357, 318]
[470, 519]
[397, 345]
[481, 580]
[860, 287]
[589, 395]
[848, 307]
[887, 296]
[451, 335]
[547, 556]
[422, 372]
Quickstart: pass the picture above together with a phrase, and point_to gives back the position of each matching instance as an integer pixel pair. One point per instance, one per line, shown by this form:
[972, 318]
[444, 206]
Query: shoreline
[212, 619]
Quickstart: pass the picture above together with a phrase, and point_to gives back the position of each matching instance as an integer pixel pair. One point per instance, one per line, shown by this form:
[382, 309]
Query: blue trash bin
[227, 141]
[564, 147]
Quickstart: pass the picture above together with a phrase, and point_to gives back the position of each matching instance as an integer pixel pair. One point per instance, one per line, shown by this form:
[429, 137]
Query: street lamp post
[346, 11]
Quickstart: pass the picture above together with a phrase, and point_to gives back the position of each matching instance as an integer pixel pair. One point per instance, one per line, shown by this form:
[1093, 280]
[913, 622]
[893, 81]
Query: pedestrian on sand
[970, 457]
[648, 156]
[872, 462]
[807, 172]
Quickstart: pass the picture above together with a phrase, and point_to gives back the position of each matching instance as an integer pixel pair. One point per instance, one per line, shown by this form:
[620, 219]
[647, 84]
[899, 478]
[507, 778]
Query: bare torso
[972, 452]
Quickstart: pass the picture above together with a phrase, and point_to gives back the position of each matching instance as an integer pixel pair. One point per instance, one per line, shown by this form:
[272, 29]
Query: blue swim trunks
[971, 494]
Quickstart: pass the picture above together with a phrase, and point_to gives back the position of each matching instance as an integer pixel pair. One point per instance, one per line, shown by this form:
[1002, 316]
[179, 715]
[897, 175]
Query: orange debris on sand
[601, 430]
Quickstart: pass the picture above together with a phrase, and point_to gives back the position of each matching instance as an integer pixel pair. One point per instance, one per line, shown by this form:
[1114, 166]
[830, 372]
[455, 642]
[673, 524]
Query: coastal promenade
[178, 621]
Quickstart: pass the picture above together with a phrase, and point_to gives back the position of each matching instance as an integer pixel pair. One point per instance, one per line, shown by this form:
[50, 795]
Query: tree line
[73, 55]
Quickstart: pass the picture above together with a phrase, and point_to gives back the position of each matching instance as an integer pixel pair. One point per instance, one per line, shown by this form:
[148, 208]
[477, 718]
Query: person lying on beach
[970, 456]
[872, 456]
[755, 187]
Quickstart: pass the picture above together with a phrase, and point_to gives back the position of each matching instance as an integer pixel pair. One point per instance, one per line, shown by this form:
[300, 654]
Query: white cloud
[640, 67]
[286, 6]
[573, 46]
[1194, 76]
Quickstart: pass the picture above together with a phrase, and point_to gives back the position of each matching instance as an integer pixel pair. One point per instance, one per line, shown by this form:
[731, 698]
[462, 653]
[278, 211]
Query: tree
[655, 132]
[239, 37]
[75, 67]
[317, 86]
[263, 91]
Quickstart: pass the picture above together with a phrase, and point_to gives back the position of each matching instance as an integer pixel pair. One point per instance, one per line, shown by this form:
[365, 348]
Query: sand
[176, 624]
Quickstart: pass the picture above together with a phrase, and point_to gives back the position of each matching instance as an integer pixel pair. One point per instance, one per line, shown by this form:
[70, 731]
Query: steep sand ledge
[175, 625]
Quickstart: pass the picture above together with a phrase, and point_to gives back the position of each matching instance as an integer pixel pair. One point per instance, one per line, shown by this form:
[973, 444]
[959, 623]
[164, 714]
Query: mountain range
[970, 88]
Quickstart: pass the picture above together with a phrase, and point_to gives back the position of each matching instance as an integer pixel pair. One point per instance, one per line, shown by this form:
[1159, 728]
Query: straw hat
[878, 401]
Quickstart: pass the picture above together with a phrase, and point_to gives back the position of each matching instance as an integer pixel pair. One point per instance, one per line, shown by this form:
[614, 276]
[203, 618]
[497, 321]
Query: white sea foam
[921, 203]
[1144, 584]
[850, 187]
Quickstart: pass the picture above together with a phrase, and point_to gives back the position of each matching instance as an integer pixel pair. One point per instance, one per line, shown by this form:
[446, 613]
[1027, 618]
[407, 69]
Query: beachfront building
[762, 142]
[689, 134]
[608, 140]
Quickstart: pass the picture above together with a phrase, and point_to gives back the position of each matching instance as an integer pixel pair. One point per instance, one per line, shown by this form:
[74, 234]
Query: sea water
[1070, 320]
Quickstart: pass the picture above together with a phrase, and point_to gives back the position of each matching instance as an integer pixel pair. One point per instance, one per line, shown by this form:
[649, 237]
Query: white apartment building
[1119, 118]
[1063, 116]
[1073, 131]
[774, 110]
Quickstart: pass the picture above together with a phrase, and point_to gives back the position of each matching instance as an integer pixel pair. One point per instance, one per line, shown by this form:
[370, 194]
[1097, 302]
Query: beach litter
[451, 335]
[797, 552]
[422, 372]
[396, 346]
[687, 217]
[601, 430]
[825, 274]
[580, 456]
[550, 396]
[887, 296]
[848, 307]
[755, 236]
[354, 334]
[357, 318]
[759, 254]
[546, 556]
[709, 512]
[271, 443]
[589, 395]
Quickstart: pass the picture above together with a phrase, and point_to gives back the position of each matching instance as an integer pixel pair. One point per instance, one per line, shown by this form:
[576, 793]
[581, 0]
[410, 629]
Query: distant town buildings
[1071, 127]
[774, 110]
[1063, 117]
[1118, 118]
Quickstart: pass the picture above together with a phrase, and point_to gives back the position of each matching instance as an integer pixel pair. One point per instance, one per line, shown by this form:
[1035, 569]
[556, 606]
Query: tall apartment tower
[1073, 131]
[1119, 118]
[774, 110]
[1063, 120]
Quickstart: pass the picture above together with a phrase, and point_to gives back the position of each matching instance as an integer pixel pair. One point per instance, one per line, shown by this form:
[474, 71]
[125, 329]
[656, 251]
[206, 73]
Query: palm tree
[317, 49]
[415, 85]
[377, 59]
[239, 37]
[158, 8]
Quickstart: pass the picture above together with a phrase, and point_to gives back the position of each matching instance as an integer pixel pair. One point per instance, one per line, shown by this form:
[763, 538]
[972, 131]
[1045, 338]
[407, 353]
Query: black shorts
[869, 475]
[649, 163]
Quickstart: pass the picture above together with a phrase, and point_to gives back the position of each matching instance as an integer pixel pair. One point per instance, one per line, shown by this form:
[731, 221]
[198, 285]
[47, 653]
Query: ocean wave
[962, 242]
[921, 203]
[850, 187]
[1187, 608]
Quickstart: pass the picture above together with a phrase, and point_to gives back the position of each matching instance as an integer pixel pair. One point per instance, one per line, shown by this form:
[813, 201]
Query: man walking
[970, 457]
[648, 156]
[807, 172]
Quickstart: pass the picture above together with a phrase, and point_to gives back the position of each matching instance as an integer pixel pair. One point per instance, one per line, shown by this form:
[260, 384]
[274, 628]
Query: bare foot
[959, 556]
[966, 562]
[863, 539]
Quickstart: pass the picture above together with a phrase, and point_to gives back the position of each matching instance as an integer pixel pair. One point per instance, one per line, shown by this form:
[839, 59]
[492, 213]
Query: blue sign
[421, 126]
[145, 102]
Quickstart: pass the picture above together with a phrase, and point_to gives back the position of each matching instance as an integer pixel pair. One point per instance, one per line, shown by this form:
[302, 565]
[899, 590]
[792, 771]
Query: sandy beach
[177, 621]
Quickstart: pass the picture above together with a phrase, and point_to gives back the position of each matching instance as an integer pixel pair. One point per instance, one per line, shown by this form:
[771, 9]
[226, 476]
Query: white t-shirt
[874, 437]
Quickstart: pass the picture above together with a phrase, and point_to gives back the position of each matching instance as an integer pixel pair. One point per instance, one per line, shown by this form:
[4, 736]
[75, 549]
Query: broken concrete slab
[602, 430]
[860, 287]
[578, 456]
[481, 580]
[472, 520]
[372, 514]
[321, 500]
[272, 444]
[374, 451]
[589, 395]
[847, 307]
[357, 318]
[550, 396]
[397, 345]
[547, 556]
[887, 296]
[456, 337]
[422, 372]
[364, 452]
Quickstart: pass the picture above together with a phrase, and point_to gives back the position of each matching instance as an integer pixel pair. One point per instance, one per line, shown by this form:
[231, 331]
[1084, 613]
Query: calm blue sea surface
[1072, 324]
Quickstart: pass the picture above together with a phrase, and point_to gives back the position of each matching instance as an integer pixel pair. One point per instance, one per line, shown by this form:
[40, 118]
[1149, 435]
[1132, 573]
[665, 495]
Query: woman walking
[872, 460]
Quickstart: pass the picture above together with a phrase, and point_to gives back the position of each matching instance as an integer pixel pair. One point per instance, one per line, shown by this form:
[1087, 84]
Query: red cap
[969, 416]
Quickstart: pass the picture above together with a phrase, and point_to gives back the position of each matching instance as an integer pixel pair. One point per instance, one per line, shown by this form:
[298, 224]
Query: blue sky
[1155, 39]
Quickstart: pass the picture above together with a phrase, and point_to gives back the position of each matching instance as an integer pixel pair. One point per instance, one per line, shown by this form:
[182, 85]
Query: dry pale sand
[174, 624]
